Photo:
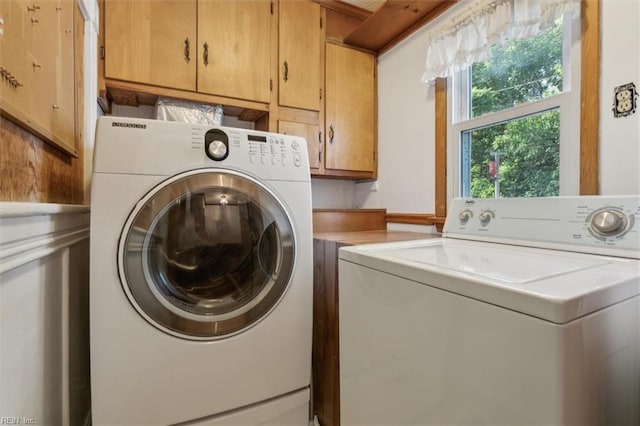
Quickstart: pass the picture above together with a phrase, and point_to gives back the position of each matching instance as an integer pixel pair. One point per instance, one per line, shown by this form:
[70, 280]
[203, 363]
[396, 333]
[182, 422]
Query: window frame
[589, 122]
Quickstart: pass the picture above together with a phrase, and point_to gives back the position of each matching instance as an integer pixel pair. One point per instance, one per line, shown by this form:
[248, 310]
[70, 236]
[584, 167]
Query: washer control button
[485, 217]
[464, 216]
[608, 222]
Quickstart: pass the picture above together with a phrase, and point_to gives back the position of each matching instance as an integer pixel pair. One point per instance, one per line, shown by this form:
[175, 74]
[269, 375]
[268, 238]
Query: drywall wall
[619, 137]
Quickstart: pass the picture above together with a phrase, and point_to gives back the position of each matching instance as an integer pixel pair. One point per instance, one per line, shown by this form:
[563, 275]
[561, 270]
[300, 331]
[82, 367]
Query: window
[515, 119]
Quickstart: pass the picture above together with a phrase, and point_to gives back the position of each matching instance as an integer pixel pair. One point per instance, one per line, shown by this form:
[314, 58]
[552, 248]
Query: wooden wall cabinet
[37, 68]
[350, 108]
[234, 48]
[215, 47]
[258, 55]
[347, 146]
[151, 42]
[299, 44]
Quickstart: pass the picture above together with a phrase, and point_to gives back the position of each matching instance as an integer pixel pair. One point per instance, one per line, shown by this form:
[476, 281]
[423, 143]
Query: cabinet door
[63, 108]
[349, 110]
[151, 42]
[14, 70]
[311, 134]
[234, 39]
[299, 54]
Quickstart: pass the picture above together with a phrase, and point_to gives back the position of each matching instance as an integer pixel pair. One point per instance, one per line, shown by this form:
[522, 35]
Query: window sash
[568, 103]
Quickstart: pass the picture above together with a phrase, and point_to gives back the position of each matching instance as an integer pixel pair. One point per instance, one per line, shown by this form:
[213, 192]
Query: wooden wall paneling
[339, 25]
[390, 22]
[346, 220]
[325, 352]
[34, 171]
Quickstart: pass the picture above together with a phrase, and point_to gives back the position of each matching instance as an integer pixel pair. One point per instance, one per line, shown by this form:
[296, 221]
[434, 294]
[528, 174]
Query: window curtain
[467, 37]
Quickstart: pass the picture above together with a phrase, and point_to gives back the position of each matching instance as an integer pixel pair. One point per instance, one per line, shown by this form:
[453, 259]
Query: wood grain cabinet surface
[350, 136]
[299, 44]
[271, 57]
[215, 47]
[151, 42]
[37, 68]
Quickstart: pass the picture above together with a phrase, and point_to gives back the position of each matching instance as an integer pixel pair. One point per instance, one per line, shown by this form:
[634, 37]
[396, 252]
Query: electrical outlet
[624, 100]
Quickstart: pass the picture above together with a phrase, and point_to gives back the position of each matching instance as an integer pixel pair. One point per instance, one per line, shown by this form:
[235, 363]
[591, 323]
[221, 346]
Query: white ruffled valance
[467, 37]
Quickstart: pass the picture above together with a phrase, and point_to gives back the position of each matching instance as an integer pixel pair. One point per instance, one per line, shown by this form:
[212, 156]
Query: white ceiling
[371, 5]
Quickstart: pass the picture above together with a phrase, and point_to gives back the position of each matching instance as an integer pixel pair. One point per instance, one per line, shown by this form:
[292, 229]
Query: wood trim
[145, 94]
[344, 174]
[349, 220]
[441, 147]
[590, 99]
[345, 8]
[415, 218]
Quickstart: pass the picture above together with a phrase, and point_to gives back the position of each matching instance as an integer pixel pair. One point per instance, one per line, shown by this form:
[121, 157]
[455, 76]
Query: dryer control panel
[606, 225]
[271, 155]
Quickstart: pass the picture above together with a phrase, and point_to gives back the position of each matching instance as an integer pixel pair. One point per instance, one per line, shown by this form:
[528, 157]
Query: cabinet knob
[286, 71]
[331, 133]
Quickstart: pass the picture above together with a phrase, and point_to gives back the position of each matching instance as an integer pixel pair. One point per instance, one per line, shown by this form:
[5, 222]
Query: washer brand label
[131, 125]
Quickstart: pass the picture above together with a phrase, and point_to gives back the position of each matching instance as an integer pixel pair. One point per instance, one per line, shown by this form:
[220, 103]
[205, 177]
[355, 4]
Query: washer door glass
[207, 254]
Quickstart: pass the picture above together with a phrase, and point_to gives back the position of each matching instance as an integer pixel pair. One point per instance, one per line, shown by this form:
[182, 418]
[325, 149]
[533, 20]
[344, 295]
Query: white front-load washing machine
[201, 275]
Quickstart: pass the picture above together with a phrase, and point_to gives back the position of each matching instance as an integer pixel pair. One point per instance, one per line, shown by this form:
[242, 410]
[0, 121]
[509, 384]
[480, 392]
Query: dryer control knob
[217, 150]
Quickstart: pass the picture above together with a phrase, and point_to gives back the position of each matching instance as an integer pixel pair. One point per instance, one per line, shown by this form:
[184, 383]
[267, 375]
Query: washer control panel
[594, 224]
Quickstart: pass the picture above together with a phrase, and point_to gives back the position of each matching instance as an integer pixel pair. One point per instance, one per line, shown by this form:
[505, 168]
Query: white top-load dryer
[201, 275]
[527, 312]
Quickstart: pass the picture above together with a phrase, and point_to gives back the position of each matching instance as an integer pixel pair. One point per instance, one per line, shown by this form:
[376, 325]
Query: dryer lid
[553, 285]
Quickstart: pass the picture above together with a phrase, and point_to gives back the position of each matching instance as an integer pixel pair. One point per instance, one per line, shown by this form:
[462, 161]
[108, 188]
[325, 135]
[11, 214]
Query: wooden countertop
[371, 237]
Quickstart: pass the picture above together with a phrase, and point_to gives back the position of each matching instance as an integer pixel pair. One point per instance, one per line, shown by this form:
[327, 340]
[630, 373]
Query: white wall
[44, 314]
[405, 133]
[619, 137]
[406, 117]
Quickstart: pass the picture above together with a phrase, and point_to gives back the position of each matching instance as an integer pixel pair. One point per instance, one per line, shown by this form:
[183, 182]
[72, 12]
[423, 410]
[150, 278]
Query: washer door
[206, 254]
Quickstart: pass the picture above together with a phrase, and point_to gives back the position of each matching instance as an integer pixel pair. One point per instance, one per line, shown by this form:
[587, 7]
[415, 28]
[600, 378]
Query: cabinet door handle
[205, 54]
[286, 71]
[187, 50]
[331, 133]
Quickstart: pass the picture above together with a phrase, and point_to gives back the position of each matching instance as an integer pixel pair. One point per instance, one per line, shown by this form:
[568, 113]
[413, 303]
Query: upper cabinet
[268, 62]
[299, 49]
[37, 48]
[151, 42]
[216, 47]
[234, 44]
[350, 136]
